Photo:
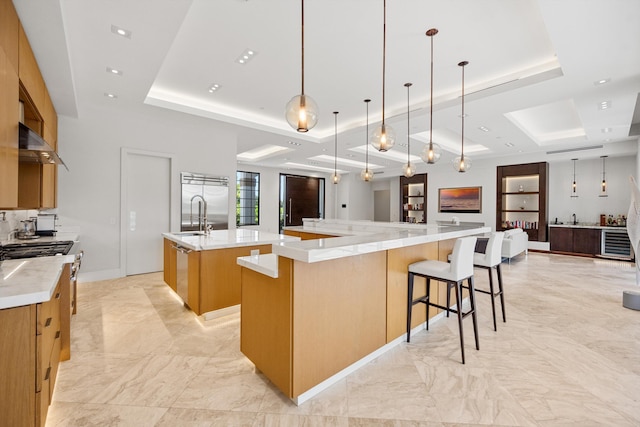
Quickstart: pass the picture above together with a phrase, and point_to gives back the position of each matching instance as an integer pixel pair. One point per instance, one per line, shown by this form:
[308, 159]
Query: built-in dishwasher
[182, 272]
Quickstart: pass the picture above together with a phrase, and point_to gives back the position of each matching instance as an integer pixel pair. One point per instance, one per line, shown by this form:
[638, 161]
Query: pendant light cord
[384, 54]
[408, 85]
[302, 49]
[335, 148]
[366, 167]
[432, 32]
[462, 150]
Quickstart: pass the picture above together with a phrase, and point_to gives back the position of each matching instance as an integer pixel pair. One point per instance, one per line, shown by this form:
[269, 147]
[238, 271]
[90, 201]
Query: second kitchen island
[202, 270]
[314, 311]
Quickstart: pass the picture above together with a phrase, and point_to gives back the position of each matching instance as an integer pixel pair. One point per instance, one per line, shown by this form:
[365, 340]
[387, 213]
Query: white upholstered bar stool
[453, 273]
[491, 259]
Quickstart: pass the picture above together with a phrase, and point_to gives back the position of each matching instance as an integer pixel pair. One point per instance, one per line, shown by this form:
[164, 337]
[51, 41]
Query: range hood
[34, 149]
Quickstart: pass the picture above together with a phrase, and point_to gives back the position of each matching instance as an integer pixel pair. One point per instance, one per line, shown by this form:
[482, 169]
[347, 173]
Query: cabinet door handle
[57, 334]
[289, 216]
[48, 374]
[58, 295]
[47, 323]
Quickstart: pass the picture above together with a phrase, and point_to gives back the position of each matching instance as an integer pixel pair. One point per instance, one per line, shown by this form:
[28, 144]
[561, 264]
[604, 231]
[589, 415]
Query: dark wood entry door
[302, 199]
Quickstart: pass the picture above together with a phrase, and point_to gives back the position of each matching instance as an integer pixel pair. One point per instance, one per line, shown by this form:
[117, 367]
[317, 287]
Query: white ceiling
[530, 79]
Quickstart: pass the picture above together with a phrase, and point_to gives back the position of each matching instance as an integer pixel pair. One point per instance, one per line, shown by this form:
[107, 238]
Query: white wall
[89, 194]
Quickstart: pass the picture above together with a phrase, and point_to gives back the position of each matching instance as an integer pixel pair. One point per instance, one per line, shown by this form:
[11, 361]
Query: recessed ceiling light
[604, 105]
[294, 143]
[509, 144]
[246, 56]
[601, 81]
[114, 71]
[214, 87]
[606, 130]
[110, 95]
[484, 128]
[121, 31]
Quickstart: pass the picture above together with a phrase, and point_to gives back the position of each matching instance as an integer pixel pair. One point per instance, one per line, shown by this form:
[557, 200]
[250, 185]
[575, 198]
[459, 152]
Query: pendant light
[408, 169]
[574, 185]
[302, 111]
[366, 174]
[432, 152]
[335, 178]
[603, 185]
[462, 163]
[384, 137]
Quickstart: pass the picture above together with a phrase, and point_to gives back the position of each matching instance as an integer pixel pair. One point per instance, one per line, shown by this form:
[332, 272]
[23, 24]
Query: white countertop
[372, 237]
[31, 280]
[221, 239]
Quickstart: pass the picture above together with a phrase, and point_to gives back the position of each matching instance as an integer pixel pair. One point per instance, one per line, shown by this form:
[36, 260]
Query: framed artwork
[460, 200]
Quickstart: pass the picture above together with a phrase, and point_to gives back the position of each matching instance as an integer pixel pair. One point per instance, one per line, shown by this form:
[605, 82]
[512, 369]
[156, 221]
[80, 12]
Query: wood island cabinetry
[35, 338]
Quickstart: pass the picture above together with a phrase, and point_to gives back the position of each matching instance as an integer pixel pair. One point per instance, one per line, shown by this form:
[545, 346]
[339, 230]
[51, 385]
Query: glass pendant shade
[409, 169]
[431, 153]
[302, 113]
[383, 138]
[335, 178]
[366, 175]
[462, 163]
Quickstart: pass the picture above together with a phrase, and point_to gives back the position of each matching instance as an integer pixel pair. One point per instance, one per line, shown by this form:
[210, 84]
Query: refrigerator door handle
[289, 216]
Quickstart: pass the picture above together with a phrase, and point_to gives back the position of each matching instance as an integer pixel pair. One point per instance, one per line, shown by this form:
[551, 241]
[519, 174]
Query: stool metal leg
[472, 300]
[499, 271]
[493, 298]
[410, 305]
[459, 313]
[448, 297]
[428, 299]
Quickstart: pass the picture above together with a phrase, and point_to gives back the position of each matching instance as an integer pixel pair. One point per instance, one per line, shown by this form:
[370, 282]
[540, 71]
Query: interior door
[148, 189]
[302, 199]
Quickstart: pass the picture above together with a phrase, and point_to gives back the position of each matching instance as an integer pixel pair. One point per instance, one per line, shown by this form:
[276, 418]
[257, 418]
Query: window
[247, 198]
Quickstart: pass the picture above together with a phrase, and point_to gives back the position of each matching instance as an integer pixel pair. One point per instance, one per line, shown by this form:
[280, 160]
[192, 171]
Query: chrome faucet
[202, 216]
[575, 221]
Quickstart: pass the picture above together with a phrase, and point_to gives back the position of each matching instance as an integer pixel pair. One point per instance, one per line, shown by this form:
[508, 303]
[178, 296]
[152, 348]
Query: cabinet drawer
[53, 364]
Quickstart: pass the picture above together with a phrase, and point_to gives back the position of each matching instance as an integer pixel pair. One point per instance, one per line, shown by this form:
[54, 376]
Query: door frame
[124, 181]
[322, 203]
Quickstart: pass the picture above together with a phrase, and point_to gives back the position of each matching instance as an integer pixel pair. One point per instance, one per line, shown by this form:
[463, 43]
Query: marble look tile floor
[569, 354]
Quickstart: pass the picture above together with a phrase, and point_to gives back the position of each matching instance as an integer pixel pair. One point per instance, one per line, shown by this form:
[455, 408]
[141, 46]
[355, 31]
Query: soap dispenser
[5, 229]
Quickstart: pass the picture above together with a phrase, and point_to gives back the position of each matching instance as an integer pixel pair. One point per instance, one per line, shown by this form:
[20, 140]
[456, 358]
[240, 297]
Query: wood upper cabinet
[9, 116]
[29, 72]
[9, 29]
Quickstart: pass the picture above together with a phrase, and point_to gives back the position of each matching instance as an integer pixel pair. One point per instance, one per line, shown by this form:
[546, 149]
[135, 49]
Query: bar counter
[314, 311]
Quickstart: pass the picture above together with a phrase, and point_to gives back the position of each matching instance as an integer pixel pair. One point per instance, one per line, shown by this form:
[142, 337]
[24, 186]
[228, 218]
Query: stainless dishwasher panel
[182, 273]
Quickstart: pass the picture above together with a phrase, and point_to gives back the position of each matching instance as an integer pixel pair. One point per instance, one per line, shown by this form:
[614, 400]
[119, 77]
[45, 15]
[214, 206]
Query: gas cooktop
[32, 249]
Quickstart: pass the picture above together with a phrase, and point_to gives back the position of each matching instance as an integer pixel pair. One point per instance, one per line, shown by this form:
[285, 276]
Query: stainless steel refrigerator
[214, 190]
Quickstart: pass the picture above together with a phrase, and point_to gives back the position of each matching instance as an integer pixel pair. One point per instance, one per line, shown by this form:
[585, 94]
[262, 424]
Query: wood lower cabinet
[583, 241]
[35, 338]
[213, 276]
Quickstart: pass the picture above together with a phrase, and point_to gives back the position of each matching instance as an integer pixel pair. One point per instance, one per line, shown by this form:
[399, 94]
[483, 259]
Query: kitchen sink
[189, 233]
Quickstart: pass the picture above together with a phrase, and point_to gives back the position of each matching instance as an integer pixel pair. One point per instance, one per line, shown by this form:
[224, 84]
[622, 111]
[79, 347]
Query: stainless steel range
[35, 249]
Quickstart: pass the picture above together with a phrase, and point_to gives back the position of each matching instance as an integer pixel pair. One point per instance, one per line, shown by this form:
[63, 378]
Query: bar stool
[491, 259]
[453, 274]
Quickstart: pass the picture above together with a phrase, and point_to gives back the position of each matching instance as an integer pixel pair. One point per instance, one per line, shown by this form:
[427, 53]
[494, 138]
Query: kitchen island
[202, 270]
[315, 310]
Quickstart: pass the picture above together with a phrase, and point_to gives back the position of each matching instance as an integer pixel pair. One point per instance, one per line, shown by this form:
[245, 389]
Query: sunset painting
[463, 199]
